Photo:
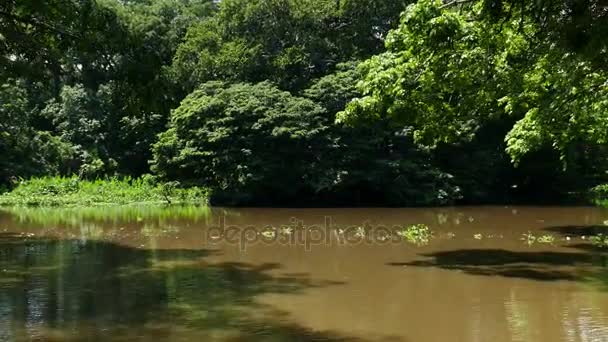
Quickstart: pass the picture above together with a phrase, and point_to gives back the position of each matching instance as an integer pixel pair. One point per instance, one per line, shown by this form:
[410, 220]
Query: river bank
[72, 191]
[75, 192]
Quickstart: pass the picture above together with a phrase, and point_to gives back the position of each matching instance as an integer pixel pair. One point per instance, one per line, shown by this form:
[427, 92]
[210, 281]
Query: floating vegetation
[360, 232]
[531, 239]
[547, 238]
[599, 240]
[286, 230]
[269, 234]
[528, 238]
[418, 234]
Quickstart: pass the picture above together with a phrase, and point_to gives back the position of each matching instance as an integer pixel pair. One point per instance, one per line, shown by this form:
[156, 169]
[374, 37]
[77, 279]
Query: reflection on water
[142, 273]
[114, 214]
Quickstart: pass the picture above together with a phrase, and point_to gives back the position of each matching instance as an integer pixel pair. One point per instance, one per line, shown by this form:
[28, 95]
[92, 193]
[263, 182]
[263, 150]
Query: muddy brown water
[175, 274]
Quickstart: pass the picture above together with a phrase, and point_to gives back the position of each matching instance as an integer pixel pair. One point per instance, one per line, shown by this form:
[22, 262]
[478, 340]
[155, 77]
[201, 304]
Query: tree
[252, 141]
[447, 73]
[26, 152]
[375, 163]
[288, 42]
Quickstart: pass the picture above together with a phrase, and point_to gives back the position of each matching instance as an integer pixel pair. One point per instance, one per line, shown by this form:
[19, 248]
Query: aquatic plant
[599, 240]
[530, 238]
[269, 234]
[286, 230]
[547, 238]
[360, 232]
[418, 234]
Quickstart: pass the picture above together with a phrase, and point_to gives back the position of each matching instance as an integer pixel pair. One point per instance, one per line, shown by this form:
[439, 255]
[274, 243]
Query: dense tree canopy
[286, 41]
[258, 144]
[447, 73]
[310, 101]
[252, 139]
[93, 72]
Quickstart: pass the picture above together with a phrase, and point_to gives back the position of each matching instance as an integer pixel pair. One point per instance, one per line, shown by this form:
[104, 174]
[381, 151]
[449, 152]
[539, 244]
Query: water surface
[171, 274]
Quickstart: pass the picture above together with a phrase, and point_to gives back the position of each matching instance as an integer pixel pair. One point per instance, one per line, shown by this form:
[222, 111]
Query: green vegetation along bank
[72, 191]
[303, 102]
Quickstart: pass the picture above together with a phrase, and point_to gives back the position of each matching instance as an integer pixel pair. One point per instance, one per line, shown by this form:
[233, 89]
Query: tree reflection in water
[53, 289]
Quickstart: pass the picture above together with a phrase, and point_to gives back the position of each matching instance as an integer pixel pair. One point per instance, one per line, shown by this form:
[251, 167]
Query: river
[199, 274]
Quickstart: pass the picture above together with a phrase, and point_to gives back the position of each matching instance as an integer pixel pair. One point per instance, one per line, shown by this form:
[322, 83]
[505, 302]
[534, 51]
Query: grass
[72, 192]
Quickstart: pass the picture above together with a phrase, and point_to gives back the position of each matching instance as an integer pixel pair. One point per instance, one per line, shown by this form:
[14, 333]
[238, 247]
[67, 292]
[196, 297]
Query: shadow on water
[73, 290]
[541, 266]
[578, 231]
[582, 232]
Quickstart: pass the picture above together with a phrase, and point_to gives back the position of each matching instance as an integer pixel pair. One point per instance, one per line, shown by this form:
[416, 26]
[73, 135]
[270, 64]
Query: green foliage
[25, 151]
[257, 144]
[447, 73]
[418, 234]
[249, 139]
[288, 42]
[431, 75]
[83, 119]
[599, 240]
[376, 163]
[97, 70]
[530, 239]
[600, 194]
[73, 191]
[335, 90]
[477, 101]
[132, 213]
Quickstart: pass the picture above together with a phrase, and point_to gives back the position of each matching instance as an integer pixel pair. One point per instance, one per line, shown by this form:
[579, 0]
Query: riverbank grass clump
[73, 191]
